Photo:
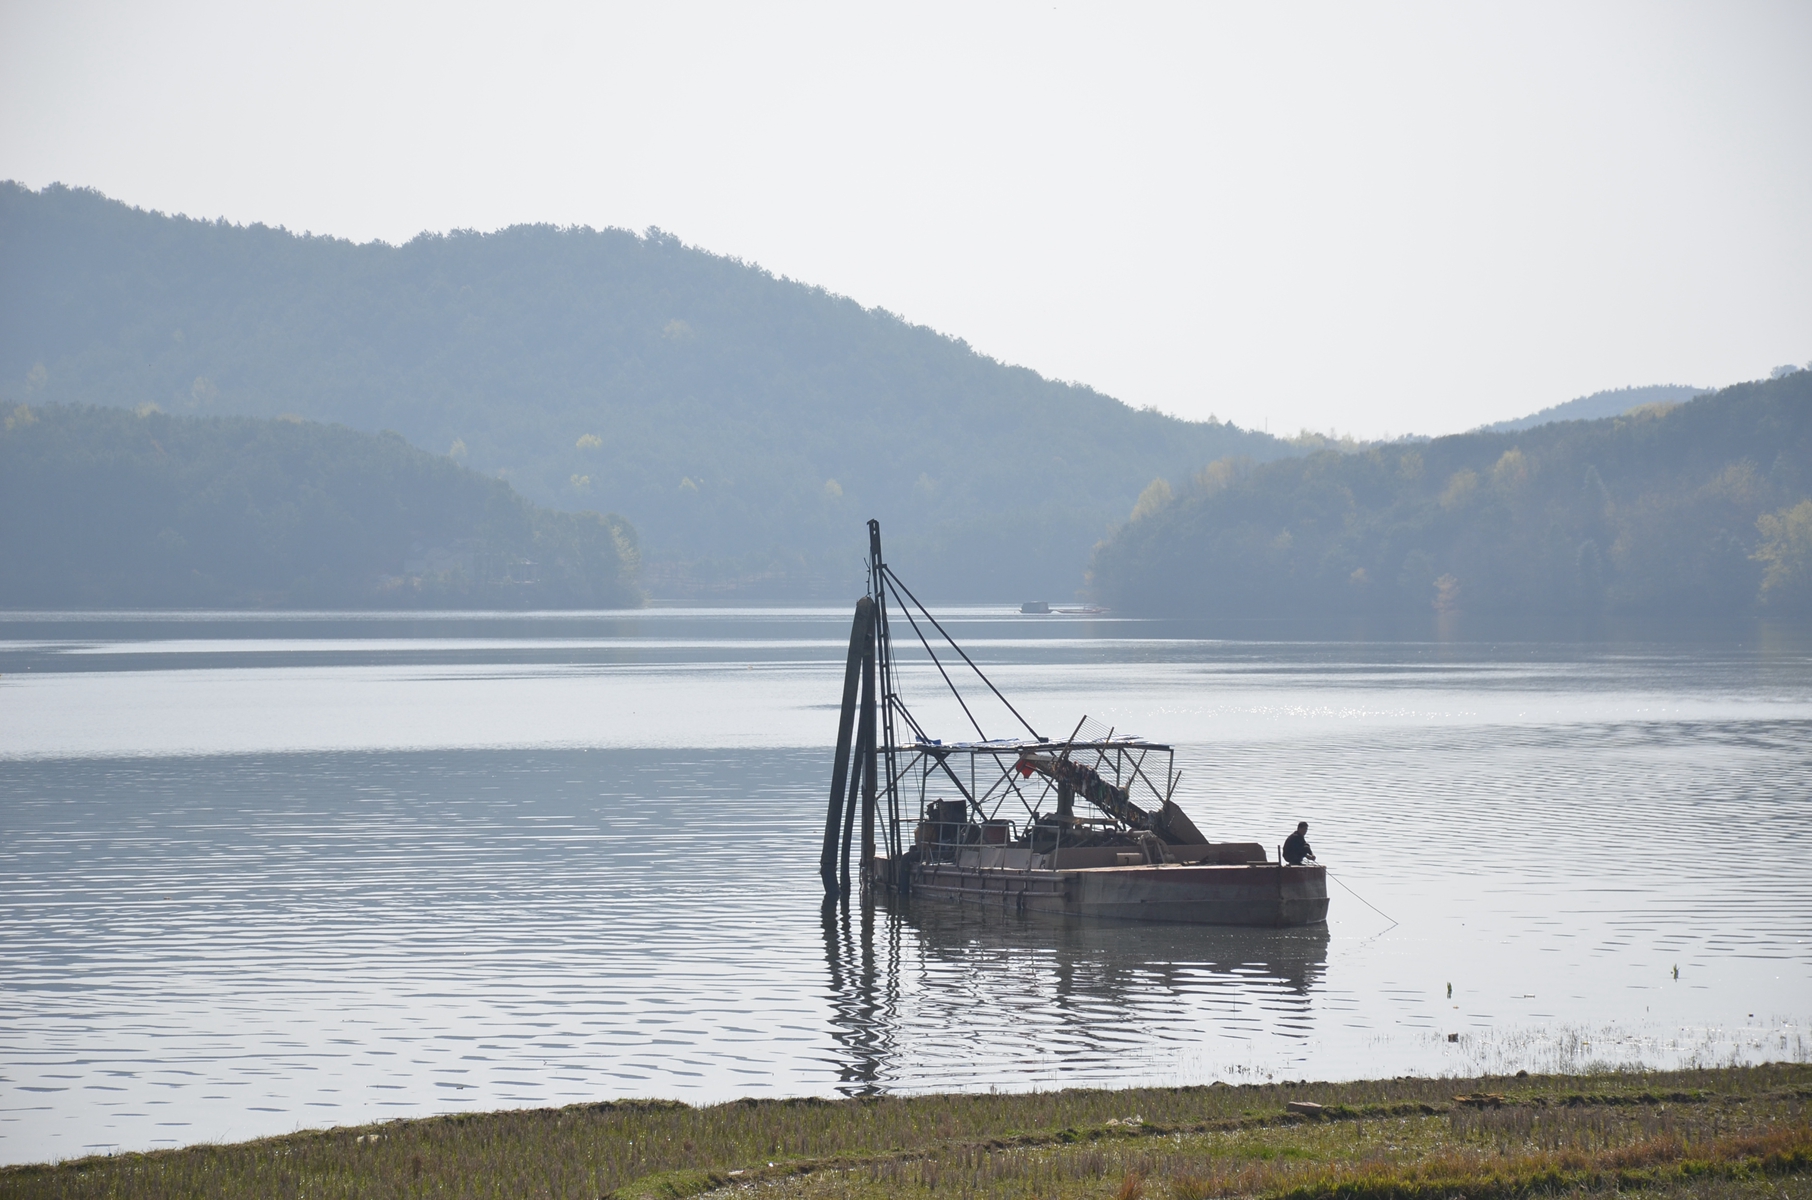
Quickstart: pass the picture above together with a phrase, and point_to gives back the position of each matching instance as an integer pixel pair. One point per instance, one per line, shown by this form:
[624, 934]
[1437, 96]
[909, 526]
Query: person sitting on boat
[1296, 846]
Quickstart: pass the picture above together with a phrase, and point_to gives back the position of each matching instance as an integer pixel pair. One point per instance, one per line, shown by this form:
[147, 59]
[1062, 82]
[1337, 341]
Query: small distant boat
[997, 823]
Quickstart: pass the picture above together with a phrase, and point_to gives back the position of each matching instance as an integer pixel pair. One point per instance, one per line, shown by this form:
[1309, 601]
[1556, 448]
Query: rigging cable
[934, 658]
[895, 580]
[917, 729]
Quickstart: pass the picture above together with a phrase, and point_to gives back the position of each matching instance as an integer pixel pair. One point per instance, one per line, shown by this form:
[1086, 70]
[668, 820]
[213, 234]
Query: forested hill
[1613, 403]
[1692, 513]
[747, 425]
[104, 507]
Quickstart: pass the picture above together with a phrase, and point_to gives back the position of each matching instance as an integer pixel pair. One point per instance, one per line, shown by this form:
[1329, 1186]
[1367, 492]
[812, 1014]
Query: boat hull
[1250, 894]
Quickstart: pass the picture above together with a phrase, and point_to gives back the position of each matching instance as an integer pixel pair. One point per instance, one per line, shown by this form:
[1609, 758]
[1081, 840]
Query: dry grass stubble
[1407, 1139]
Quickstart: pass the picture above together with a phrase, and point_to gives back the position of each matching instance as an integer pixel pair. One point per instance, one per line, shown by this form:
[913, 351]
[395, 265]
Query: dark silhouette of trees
[110, 508]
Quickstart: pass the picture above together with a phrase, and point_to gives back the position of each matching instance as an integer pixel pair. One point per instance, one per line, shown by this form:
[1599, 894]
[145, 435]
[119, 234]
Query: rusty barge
[1080, 826]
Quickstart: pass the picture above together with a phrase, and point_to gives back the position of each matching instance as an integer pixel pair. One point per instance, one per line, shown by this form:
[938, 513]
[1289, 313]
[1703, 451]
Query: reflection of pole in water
[863, 995]
[833, 952]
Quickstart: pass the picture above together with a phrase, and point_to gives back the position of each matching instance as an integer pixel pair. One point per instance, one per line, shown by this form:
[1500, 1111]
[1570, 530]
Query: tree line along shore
[1692, 515]
[1710, 1133]
[108, 508]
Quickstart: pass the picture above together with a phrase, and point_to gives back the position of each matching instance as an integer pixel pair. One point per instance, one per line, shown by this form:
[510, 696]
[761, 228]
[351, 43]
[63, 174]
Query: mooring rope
[1361, 899]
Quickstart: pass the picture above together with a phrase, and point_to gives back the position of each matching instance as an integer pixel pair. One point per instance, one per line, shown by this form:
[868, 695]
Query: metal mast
[883, 645]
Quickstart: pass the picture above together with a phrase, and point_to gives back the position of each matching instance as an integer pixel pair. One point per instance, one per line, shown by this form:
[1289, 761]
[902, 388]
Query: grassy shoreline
[1740, 1131]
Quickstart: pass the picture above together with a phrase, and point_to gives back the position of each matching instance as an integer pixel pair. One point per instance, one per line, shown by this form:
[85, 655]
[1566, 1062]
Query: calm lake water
[261, 873]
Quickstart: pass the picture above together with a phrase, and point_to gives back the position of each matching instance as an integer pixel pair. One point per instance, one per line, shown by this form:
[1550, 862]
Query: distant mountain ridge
[1613, 403]
[746, 425]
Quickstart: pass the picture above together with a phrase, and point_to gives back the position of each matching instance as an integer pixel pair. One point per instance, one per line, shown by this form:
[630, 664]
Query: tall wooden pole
[872, 753]
[861, 648]
[849, 807]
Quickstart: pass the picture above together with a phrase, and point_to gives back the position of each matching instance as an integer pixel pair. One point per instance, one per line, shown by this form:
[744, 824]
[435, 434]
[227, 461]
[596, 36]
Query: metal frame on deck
[873, 766]
[1122, 761]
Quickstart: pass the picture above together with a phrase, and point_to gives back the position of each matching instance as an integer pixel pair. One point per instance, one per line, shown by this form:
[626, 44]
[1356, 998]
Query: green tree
[1786, 554]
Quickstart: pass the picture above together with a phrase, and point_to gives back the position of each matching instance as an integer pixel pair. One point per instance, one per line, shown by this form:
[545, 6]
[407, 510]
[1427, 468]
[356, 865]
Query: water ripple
[272, 935]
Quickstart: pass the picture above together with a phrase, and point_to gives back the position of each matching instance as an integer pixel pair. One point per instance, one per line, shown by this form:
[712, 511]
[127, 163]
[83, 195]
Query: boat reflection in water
[928, 994]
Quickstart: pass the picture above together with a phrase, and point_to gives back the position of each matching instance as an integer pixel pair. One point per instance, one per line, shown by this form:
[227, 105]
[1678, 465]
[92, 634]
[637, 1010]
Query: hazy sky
[1369, 217]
